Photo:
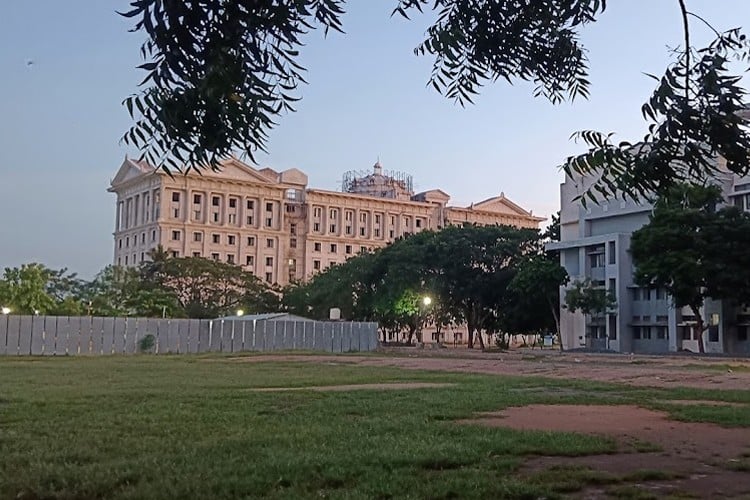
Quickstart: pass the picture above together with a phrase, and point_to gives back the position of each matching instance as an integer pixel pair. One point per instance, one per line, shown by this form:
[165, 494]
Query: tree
[590, 299]
[694, 250]
[25, 290]
[218, 75]
[204, 288]
[536, 287]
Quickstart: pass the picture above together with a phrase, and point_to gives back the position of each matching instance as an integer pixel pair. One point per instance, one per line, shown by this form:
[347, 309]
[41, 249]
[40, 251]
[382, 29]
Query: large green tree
[695, 250]
[219, 73]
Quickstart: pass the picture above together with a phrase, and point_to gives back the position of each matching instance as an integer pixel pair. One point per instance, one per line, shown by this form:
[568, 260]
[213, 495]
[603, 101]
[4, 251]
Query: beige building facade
[272, 224]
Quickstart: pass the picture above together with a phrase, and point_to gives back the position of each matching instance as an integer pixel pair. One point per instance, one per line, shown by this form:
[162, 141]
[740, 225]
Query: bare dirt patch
[701, 402]
[698, 452]
[638, 370]
[356, 387]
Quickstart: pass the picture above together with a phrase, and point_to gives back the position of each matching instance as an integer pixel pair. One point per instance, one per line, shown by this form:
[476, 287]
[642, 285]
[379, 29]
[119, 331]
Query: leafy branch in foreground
[695, 115]
[218, 72]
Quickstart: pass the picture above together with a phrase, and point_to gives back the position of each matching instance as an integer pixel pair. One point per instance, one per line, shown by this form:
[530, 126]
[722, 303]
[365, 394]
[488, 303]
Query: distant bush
[147, 343]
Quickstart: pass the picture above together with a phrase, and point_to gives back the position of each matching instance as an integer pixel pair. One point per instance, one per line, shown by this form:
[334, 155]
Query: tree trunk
[698, 328]
[470, 328]
[556, 315]
[481, 339]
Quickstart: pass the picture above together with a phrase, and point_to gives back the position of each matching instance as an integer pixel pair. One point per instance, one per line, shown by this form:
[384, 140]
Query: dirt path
[645, 371]
[699, 453]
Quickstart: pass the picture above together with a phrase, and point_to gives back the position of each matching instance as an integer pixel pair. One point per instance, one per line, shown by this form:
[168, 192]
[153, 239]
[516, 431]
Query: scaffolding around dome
[381, 184]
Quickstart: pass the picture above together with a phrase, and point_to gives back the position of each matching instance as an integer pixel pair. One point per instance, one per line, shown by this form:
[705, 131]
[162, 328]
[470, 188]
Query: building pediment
[130, 169]
[235, 169]
[500, 205]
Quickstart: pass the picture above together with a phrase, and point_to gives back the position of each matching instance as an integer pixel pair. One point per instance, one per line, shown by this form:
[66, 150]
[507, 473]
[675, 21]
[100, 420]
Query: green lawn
[189, 427]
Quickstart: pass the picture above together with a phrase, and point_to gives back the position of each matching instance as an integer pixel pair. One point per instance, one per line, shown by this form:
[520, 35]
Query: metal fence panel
[97, 328]
[37, 335]
[24, 332]
[204, 336]
[130, 336]
[162, 336]
[62, 340]
[50, 335]
[227, 335]
[173, 341]
[346, 337]
[13, 335]
[191, 338]
[4, 334]
[118, 334]
[74, 334]
[214, 344]
[251, 337]
[108, 335]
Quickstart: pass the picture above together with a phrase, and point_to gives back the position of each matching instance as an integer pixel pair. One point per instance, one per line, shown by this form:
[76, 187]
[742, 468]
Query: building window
[419, 222]
[377, 218]
[143, 238]
[251, 241]
[377, 232]
[332, 228]
[333, 213]
[249, 220]
[349, 216]
[393, 220]
[197, 236]
[215, 256]
[176, 213]
[611, 251]
[390, 234]
[153, 235]
[316, 264]
[249, 260]
[197, 199]
[293, 228]
[361, 231]
[250, 205]
[362, 249]
[334, 249]
[269, 277]
[216, 216]
[316, 246]
[232, 218]
[316, 227]
[349, 230]
[713, 333]
[269, 221]
[269, 207]
[126, 260]
[596, 260]
[232, 202]
[176, 197]
[269, 242]
[662, 332]
[269, 261]
[348, 249]
[293, 243]
[216, 238]
[291, 194]
[175, 255]
[363, 217]
[231, 240]
[215, 201]
[317, 211]
[230, 258]
[119, 243]
[196, 254]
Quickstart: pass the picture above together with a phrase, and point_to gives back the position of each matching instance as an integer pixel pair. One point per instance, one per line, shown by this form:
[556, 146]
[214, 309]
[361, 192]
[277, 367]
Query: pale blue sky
[61, 117]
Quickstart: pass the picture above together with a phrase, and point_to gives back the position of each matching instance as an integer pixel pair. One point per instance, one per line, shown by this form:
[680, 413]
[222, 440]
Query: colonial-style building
[272, 224]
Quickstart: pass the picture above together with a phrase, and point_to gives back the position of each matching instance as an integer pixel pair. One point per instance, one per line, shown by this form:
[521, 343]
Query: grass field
[191, 427]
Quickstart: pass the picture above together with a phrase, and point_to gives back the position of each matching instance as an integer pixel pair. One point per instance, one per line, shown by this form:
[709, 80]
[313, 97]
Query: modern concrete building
[594, 243]
[274, 225]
